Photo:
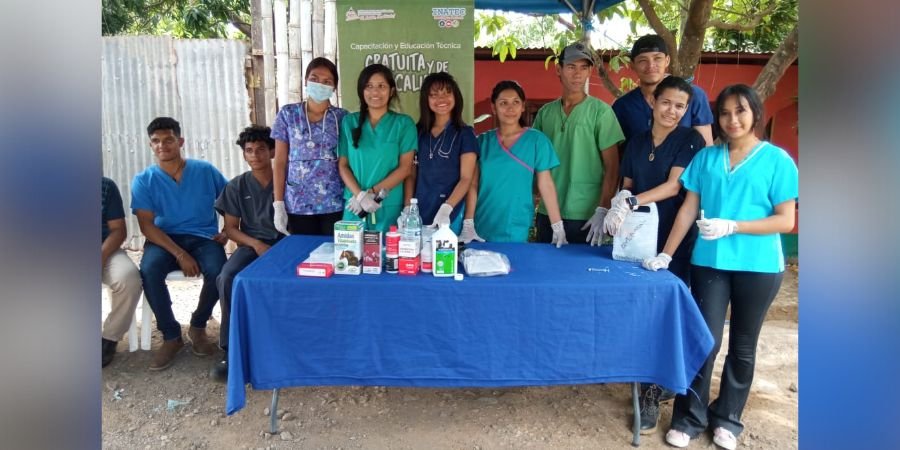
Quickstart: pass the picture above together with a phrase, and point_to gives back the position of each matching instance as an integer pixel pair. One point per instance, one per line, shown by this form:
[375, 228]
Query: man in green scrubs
[585, 133]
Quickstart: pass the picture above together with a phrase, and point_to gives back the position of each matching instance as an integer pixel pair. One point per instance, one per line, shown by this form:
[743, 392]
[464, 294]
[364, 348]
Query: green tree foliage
[178, 18]
[764, 37]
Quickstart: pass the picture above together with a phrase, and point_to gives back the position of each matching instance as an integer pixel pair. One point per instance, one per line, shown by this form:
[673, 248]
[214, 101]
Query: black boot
[107, 351]
[219, 370]
[650, 408]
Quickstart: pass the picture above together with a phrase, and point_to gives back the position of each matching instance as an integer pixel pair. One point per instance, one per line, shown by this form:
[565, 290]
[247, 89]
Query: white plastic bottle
[445, 248]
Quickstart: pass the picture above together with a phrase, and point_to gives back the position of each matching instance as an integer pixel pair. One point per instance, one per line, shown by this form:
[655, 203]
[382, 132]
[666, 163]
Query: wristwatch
[632, 203]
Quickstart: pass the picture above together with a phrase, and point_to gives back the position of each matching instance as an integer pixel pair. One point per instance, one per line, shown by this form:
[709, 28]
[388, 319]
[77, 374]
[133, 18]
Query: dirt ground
[137, 413]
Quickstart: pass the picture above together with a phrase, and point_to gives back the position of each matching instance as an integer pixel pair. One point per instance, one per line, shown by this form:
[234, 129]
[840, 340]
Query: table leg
[273, 413]
[636, 428]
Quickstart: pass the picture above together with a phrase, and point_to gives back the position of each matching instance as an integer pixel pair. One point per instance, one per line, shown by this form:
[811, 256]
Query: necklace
[653, 147]
[178, 170]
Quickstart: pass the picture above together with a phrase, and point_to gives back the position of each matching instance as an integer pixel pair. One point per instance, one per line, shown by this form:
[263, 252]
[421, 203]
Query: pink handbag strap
[516, 159]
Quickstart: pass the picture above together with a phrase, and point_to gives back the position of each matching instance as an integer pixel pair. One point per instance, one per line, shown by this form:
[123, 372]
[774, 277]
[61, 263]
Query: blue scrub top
[438, 162]
[180, 208]
[635, 115]
[677, 150]
[749, 191]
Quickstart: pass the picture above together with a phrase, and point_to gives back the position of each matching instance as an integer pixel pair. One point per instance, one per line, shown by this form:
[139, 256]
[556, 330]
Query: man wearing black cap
[650, 61]
[585, 135]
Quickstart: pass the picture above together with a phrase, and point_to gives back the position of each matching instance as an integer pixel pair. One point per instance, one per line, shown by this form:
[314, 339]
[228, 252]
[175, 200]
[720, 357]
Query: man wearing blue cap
[585, 135]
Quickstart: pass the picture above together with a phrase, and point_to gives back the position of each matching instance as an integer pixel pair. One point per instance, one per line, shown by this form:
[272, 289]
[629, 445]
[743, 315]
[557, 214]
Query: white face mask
[318, 92]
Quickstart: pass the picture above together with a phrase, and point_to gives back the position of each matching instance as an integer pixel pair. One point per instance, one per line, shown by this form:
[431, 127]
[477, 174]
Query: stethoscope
[310, 144]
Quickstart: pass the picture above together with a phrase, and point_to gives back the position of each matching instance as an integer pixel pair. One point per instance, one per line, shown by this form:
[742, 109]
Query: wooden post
[318, 30]
[279, 13]
[295, 68]
[257, 66]
[330, 39]
[268, 32]
[306, 36]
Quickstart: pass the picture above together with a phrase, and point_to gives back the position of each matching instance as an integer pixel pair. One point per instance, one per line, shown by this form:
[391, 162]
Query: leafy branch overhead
[689, 27]
[178, 18]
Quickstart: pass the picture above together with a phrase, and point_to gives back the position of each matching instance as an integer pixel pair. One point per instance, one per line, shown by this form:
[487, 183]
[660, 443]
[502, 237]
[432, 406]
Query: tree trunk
[692, 41]
[604, 77]
[778, 64]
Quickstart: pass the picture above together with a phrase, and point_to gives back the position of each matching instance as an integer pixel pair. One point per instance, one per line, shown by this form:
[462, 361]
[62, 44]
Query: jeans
[157, 263]
[242, 257]
[750, 295]
[574, 233]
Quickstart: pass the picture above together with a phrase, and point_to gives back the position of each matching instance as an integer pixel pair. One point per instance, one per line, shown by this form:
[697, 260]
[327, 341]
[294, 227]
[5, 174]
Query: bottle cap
[413, 201]
[458, 277]
[392, 229]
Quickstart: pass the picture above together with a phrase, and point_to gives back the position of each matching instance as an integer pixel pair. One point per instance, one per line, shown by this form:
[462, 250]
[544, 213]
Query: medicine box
[348, 245]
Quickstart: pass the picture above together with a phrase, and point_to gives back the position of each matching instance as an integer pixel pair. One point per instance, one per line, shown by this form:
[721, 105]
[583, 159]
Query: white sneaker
[724, 438]
[678, 439]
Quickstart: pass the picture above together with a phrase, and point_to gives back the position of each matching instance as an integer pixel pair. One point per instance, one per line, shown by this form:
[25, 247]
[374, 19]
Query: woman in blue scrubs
[651, 166]
[512, 156]
[445, 162]
[744, 191]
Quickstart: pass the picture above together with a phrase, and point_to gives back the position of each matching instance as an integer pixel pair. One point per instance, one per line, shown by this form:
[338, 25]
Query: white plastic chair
[146, 315]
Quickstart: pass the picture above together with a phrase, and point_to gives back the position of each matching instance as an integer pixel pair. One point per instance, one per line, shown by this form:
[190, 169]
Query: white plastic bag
[636, 238]
[484, 263]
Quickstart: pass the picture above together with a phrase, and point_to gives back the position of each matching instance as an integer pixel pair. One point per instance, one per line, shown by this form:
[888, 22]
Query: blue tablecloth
[550, 321]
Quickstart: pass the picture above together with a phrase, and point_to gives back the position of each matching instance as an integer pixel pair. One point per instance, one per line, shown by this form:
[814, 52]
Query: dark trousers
[574, 234]
[241, 258]
[750, 295]
[317, 224]
[157, 263]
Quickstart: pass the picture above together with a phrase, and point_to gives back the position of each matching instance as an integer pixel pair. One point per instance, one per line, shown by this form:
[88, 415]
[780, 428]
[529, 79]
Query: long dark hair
[361, 83]
[439, 81]
[740, 91]
[509, 84]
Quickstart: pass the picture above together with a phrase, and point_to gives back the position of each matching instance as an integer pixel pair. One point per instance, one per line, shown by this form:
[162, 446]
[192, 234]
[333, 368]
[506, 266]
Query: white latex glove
[559, 234]
[660, 261]
[620, 198]
[468, 233]
[711, 229]
[615, 218]
[595, 223]
[443, 215]
[280, 218]
[354, 205]
[368, 203]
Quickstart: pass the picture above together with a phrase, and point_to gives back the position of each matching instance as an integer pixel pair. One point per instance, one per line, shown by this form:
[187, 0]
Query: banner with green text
[413, 38]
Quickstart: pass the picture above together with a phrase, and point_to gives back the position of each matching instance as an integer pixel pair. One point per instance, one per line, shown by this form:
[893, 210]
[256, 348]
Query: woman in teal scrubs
[744, 191]
[375, 151]
[500, 203]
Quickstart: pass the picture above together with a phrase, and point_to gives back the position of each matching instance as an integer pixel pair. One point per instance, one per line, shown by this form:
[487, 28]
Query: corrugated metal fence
[200, 83]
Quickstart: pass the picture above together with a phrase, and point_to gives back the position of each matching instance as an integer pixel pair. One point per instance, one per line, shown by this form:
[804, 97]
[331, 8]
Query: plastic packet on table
[484, 263]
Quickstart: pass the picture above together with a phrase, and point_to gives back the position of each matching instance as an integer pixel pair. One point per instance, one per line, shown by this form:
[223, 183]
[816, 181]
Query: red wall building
[716, 71]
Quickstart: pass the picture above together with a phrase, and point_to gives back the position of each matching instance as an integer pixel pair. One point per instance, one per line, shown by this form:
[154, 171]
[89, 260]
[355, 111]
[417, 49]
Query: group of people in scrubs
[721, 206]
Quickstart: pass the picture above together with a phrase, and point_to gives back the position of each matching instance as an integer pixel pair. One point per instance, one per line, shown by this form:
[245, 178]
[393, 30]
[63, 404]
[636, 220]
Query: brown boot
[200, 344]
[165, 354]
